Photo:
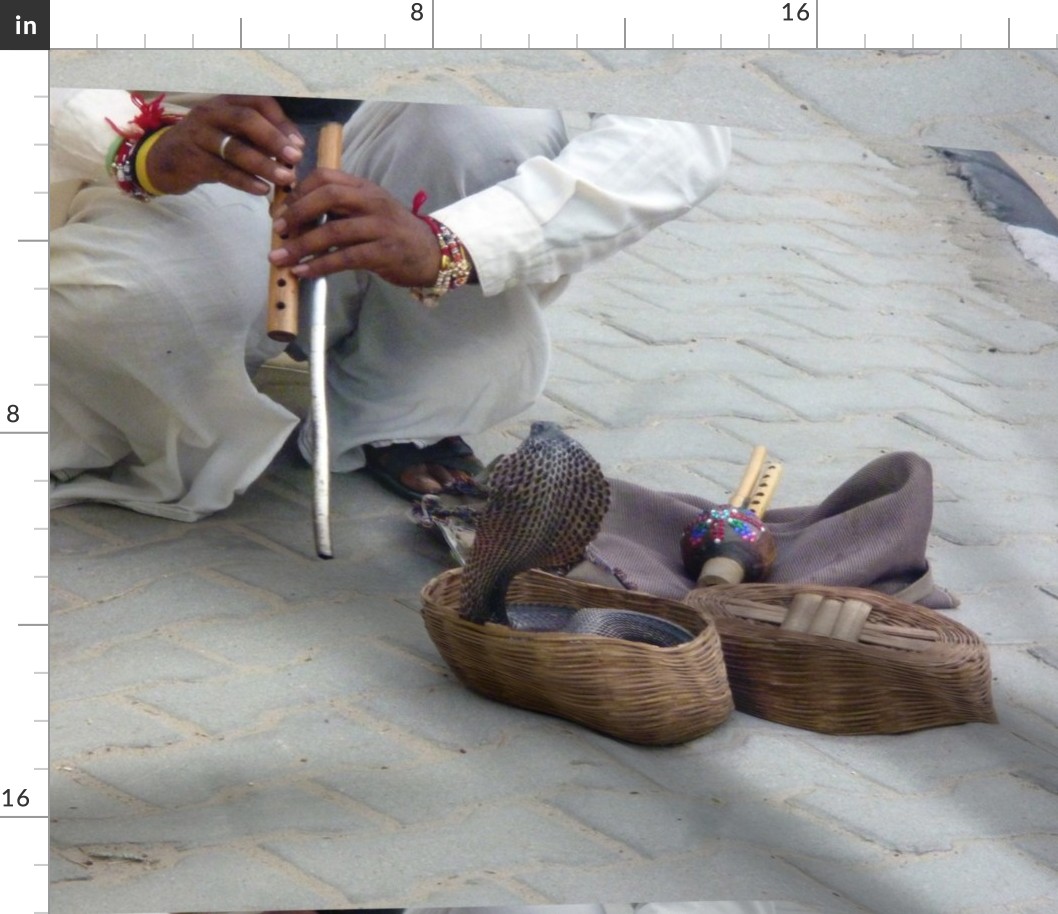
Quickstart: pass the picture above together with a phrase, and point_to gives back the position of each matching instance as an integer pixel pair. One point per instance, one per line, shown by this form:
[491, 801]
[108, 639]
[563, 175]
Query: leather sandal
[387, 463]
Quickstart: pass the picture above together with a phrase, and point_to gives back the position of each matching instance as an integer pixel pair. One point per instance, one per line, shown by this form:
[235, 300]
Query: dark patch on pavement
[1000, 191]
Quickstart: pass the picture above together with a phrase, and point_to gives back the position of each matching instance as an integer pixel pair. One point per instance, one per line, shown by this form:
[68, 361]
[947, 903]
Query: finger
[322, 177]
[201, 155]
[321, 239]
[419, 479]
[262, 121]
[240, 180]
[369, 256]
[273, 112]
[441, 473]
[250, 119]
[327, 192]
[237, 153]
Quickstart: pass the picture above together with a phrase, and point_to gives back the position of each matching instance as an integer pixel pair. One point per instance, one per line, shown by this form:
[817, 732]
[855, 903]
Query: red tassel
[420, 199]
[152, 116]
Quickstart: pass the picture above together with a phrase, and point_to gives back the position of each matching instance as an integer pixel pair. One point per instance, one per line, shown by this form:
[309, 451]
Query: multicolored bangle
[122, 168]
[456, 267]
[127, 156]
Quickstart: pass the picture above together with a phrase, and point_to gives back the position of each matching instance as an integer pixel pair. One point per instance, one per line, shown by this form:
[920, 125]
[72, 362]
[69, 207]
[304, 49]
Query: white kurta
[158, 308]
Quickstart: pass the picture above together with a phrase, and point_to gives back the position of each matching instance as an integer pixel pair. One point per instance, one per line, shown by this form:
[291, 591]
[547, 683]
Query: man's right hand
[264, 146]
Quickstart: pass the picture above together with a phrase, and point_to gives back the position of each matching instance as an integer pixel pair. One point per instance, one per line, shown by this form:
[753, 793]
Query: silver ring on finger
[224, 146]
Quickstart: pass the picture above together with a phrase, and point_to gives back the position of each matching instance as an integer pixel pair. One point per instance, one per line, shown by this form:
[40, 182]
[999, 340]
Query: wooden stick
[851, 619]
[826, 616]
[749, 477]
[802, 609]
[905, 637]
[282, 285]
[764, 489]
[329, 150]
[898, 641]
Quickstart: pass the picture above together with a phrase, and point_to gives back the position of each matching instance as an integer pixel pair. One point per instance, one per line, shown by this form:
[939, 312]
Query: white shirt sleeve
[607, 188]
[79, 135]
[79, 138]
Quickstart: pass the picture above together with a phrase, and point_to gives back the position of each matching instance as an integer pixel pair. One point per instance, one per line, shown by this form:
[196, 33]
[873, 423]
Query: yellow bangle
[141, 162]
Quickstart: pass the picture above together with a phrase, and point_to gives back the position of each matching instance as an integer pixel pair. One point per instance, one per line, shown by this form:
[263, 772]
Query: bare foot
[412, 471]
[428, 478]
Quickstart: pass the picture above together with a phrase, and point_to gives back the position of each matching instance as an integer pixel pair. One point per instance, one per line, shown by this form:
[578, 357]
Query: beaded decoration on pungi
[729, 544]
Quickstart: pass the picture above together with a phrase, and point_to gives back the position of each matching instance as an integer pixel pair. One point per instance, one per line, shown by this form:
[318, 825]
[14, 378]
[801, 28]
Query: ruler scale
[388, 24]
[23, 484]
[557, 24]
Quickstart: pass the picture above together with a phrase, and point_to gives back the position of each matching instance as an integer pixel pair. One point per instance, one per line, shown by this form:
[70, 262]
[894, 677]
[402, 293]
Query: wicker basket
[631, 691]
[923, 669]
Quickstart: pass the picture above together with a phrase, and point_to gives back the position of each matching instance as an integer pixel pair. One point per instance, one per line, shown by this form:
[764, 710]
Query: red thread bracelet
[455, 267]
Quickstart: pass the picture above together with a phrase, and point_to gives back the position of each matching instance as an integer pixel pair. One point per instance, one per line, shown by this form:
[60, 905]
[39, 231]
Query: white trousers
[157, 321]
[396, 370]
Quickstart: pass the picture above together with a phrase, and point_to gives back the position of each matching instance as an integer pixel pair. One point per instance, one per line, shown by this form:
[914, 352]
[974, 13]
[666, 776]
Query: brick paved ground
[237, 724]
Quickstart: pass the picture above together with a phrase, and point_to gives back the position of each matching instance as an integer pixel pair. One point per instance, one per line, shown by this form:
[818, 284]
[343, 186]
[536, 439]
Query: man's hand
[264, 146]
[367, 228]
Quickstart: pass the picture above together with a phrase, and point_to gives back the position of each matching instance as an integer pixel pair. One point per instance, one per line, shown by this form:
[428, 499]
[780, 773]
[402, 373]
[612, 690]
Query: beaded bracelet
[456, 267]
[126, 157]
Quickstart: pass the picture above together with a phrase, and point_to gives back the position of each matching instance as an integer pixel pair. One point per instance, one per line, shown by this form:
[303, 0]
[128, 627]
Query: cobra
[546, 501]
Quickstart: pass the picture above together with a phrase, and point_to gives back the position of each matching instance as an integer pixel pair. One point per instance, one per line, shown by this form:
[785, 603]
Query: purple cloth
[869, 532]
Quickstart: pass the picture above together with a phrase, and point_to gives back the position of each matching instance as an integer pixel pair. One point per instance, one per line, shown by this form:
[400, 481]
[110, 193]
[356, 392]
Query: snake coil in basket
[635, 692]
[494, 621]
[882, 665]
